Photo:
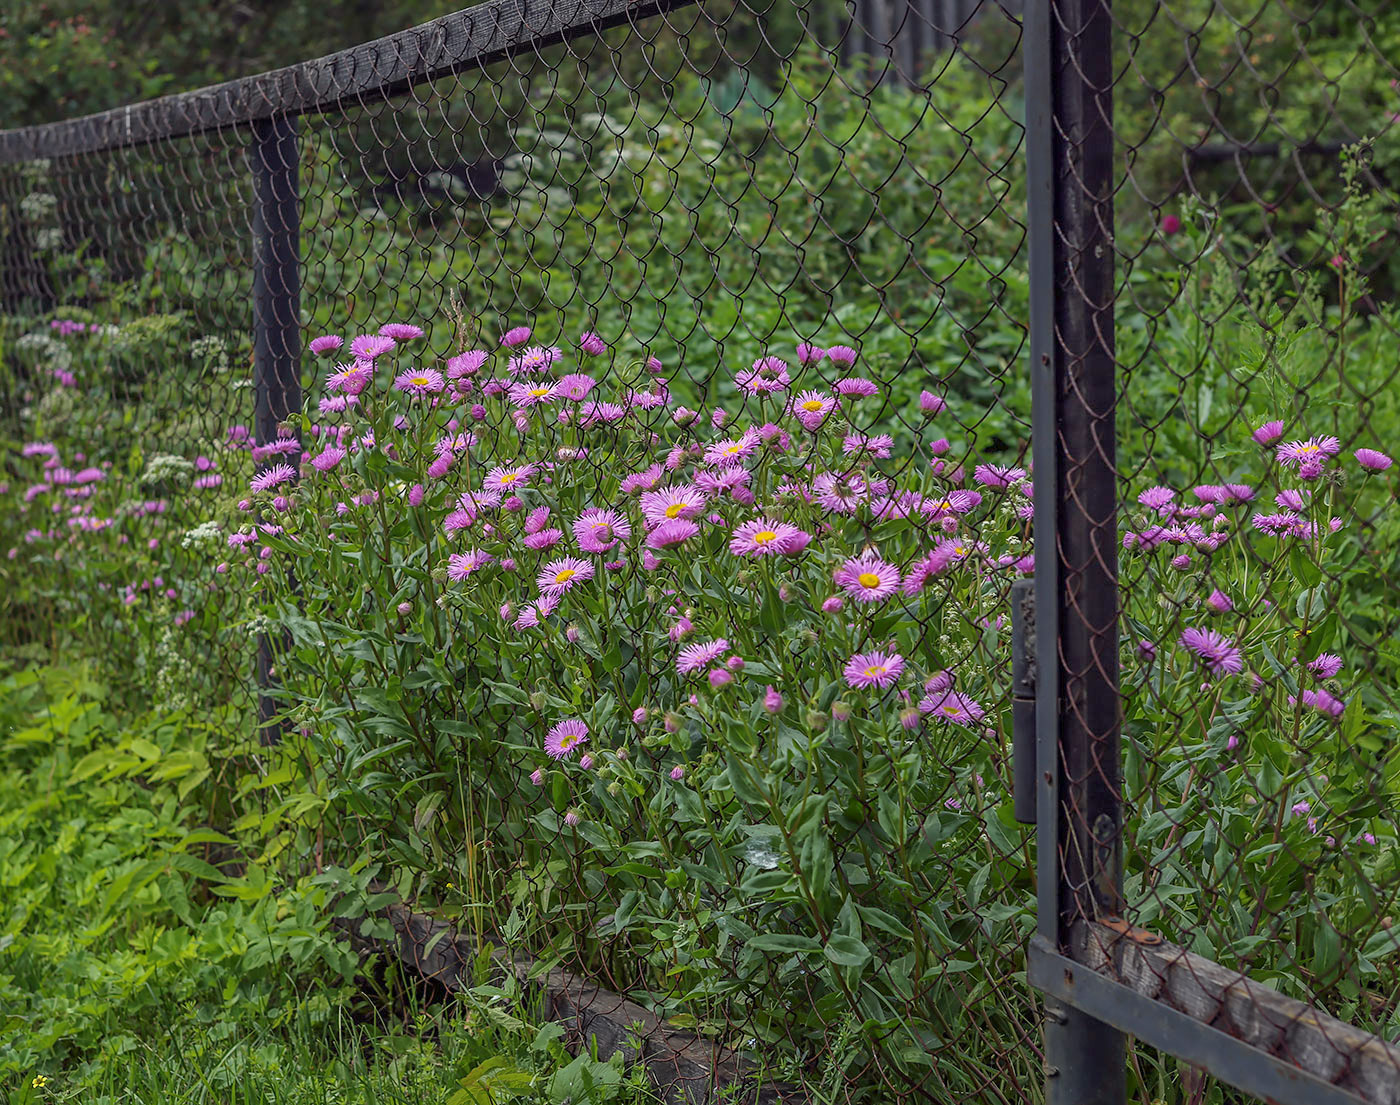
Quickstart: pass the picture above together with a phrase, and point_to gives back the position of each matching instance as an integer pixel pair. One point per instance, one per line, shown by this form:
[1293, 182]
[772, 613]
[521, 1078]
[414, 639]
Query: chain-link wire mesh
[578, 485]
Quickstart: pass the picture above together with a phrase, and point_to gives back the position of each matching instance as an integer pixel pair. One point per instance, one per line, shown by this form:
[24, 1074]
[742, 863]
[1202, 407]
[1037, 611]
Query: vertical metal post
[276, 330]
[1069, 148]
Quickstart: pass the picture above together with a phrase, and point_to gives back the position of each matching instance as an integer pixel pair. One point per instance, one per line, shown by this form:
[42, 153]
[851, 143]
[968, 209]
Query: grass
[132, 969]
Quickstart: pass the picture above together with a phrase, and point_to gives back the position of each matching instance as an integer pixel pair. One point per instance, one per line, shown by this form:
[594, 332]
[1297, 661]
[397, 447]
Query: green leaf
[845, 951]
[786, 943]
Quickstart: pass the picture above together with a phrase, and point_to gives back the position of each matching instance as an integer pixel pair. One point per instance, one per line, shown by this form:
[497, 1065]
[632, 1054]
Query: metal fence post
[1070, 144]
[276, 330]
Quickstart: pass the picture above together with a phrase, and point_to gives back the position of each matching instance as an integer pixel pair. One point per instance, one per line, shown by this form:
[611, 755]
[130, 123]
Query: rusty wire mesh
[833, 888]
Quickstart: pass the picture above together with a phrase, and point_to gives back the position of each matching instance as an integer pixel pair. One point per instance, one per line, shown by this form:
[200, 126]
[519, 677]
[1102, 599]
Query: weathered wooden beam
[1315, 1042]
[687, 1069]
[372, 71]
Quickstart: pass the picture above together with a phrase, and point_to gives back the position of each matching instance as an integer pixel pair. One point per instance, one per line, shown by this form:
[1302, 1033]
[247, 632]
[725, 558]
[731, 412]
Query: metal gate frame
[1103, 979]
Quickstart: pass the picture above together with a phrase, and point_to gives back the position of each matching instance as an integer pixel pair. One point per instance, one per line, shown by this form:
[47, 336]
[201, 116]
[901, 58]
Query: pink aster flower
[461, 565]
[544, 538]
[762, 537]
[575, 386]
[533, 361]
[419, 381]
[269, 478]
[811, 408]
[1322, 701]
[875, 445]
[1219, 601]
[328, 458]
[1373, 460]
[504, 478]
[720, 677]
[326, 343]
[807, 353]
[767, 374]
[564, 737]
[1326, 665]
[669, 534]
[597, 530]
[844, 494]
[1268, 433]
[700, 655]
[517, 335]
[401, 331]
[842, 354]
[672, 503]
[1314, 450]
[592, 344]
[722, 453]
[352, 378]
[560, 575]
[1215, 650]
[853, 387]
[930, 403]
[873, 669]
[997, 476]
[867, 578]
[466, 364]
[1158, 499]
[953, 707]
[367, 347]
[772, 700]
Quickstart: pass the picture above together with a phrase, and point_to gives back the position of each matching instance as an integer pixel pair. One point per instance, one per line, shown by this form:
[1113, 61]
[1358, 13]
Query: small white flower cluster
[211, 349]
[38, 206]
[47, 349]
[259, 624]
[164, 466]
[204, 535]
[48, 238]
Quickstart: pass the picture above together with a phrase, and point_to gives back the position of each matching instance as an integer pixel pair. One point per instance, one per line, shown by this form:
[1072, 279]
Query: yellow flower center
[813, 405]
[674, 510]
[510, 477]
[875, 669]
[1310, 449]
[421, 381]
[950, 709]
[762, 537]
[539, 392]
[960, 550]
[946, 504]
[868, 579]
[566, 575]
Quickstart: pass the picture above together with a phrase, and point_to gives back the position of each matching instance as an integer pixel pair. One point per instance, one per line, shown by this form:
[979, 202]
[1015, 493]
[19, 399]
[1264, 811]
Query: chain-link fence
[575, 464]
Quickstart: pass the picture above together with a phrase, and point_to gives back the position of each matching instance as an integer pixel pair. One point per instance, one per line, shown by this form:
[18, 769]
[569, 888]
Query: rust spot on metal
[1131, 932]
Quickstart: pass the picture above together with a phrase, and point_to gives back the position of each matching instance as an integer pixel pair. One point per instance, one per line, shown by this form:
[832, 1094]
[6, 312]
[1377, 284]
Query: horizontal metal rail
[372, 71]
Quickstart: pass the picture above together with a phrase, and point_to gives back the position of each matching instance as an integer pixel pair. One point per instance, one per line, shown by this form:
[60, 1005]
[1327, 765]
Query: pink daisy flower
[269, 478]
[842, 355]
[419, 381]
[1268, 433]
[517, 335]
[1215, 650]
[560, 575]
[564, 737]
[328, 458]
[852, 387]
[867, 578]
[762, 537]
[930, 403]
[876, 445]
[844, 494]
[642, 481]
[461, 565]
[735, 451]
[592, 344]
[597, 530]
[351, 379]
[767, 374]
[807, 353]
[811, 408]
[466, 364]
[401, 331]
[873, 669]
[575, 386]
[367, 347]
[528, 395]
[543, 538]
[672, 503]
[700, 655]
[1326, 666]
[606, 413]
[674, 532]
[1158, 499]
[533, 361]
[1314, 449]
[1373, 460]
[1322, 701]
[951, 706]
[1219, 601]
[326, 343]
[998, 476]
[504, 478]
